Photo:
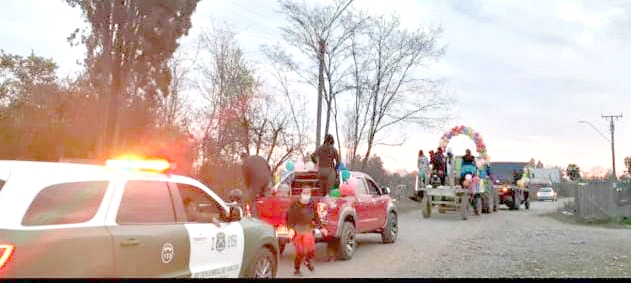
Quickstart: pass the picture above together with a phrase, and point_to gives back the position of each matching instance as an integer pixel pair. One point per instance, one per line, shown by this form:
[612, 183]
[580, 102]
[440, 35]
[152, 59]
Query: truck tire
[389, 235]
[486, 203]
[516, 202]
[346, 243]
[491, 201]
[426, 206]
[263, 265]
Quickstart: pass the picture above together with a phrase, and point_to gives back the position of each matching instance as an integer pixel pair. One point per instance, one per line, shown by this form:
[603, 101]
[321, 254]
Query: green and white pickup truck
[78, 220]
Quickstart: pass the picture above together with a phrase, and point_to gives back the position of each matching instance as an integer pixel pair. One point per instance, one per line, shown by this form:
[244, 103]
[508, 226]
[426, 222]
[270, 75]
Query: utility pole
[612, 128]
[320, 92]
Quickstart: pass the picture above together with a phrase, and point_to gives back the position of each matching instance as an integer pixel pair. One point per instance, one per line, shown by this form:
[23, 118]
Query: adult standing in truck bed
[257, 176]
[327, 158]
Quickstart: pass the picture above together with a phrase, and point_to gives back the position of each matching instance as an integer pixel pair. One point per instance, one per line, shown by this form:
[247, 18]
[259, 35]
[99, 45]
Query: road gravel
[507, 244]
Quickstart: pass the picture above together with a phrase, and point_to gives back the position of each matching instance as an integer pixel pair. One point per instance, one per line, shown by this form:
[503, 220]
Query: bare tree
[242, 113]
[388, 60]
[174, 109]
[283, 70]
[312, 31]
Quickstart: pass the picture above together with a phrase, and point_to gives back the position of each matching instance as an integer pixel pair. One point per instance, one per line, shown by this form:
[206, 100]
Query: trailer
[479, 197]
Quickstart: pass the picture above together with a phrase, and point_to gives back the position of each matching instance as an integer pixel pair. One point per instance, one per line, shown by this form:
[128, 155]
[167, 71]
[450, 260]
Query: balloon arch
[468, 131]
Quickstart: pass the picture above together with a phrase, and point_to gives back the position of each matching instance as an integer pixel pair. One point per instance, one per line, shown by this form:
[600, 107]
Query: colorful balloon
[345, 175]
[341, 166]
[299, 166]
[353, 182]
[289, 165]
[468, 131]
[347, 190]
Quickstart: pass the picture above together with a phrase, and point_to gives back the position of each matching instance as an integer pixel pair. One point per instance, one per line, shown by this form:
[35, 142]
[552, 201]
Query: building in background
[547, 174]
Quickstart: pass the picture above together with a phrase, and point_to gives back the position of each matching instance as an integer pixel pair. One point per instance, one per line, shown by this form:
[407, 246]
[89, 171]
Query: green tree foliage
[573, 172]
[32, 106]
[128, 47]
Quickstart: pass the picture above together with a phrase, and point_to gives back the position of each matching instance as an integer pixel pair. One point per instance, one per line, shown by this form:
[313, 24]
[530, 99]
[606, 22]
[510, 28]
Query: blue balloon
[341, 166]
[289, 166]
[345, 175]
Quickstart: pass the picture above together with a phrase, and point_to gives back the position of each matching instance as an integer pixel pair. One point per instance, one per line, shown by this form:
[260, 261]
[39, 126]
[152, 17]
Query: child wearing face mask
[302, 218]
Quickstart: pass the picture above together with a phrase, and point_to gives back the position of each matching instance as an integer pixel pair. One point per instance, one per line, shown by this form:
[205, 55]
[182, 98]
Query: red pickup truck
[369, 209]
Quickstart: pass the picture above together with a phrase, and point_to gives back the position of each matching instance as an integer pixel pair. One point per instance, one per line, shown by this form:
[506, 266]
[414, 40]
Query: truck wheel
[516, 202]
[426, 206]
[389, 235]
[491, 207]
[478, 205]
[346, 245]
[263, 265]
[487, 204]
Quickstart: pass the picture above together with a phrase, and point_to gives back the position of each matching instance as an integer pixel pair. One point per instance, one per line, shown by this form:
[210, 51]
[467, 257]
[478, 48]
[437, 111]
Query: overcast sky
[523, 72]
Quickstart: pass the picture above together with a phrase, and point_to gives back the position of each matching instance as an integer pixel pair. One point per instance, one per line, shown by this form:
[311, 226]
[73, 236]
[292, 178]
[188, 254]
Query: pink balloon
[353, 182]
[300, 165]
[347, 190]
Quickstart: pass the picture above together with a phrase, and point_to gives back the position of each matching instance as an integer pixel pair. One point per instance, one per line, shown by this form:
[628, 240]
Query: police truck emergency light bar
[157, 165]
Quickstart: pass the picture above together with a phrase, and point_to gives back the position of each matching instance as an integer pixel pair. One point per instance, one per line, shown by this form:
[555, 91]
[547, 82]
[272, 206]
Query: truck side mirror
[235, 213]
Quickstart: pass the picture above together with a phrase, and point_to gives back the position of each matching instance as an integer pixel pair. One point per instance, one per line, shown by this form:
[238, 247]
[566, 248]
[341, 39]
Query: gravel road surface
[512, 244]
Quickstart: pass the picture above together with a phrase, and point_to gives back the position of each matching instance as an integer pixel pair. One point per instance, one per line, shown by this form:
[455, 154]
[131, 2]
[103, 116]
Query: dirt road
[521, 243]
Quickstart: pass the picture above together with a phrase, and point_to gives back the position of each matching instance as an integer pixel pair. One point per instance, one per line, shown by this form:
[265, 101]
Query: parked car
[547, 193]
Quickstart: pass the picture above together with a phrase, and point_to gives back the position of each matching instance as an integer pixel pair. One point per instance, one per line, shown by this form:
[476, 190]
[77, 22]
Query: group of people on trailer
[439, 164]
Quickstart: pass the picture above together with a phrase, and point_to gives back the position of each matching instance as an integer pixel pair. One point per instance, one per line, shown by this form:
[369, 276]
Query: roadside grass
[567, 214]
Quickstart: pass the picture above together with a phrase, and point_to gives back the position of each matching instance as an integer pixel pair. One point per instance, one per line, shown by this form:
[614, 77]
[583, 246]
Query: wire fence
[599, 201]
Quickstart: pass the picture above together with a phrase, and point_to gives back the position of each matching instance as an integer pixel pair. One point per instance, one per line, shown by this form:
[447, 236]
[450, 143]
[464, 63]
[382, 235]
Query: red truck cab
[369, 209]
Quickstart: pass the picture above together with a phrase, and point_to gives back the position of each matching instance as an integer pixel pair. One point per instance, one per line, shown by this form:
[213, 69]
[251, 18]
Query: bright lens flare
[157, 165]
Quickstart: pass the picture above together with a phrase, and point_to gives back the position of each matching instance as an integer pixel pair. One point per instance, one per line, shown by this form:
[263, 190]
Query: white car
[128, 219]
[546, 193]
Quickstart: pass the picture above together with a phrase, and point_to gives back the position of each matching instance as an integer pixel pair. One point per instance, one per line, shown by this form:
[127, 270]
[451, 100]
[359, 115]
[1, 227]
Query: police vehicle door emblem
[221, 242]
[168, 252]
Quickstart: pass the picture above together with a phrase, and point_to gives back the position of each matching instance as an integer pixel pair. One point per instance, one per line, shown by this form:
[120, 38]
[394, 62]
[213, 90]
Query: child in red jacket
[302, 218]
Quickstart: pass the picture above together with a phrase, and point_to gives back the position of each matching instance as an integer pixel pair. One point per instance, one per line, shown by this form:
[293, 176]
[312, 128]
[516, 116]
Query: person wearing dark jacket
[302, 218]
[258, 178]
[327, 159]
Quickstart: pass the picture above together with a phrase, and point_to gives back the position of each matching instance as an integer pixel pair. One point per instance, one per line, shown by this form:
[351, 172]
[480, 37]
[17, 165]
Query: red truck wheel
[389, 235]
[346, 243]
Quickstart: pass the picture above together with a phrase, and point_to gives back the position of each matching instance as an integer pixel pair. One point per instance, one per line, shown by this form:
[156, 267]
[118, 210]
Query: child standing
[302, 218]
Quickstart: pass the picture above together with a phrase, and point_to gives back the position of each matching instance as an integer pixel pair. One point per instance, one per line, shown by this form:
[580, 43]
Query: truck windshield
[507, 172]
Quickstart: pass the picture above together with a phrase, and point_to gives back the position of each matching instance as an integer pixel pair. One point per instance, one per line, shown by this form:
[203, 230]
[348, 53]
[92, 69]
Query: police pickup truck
[130, 218]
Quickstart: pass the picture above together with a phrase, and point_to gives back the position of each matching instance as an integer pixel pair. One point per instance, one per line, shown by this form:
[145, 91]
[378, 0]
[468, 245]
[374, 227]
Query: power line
[612, 128]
